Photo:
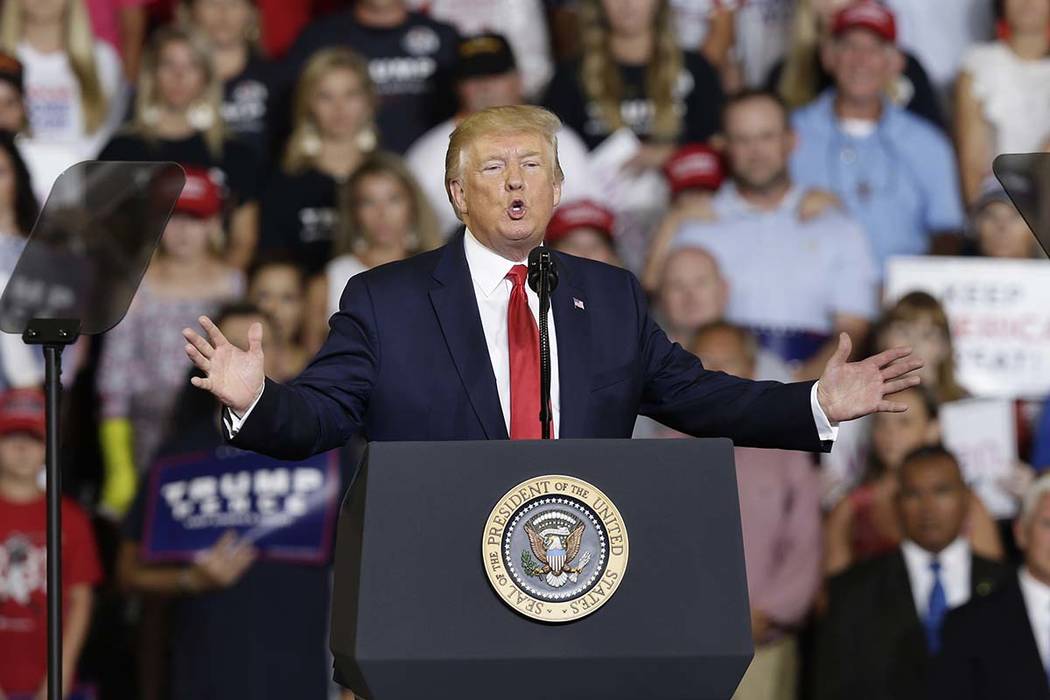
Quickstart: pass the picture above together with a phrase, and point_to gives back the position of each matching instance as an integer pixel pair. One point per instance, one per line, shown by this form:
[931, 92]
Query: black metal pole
[53, 388]
[545, 361]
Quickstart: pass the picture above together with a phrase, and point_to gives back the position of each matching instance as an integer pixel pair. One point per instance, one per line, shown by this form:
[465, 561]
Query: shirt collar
[1035, 592]
[736, 205]
[488, 269]
[951, 557]
[826, 105]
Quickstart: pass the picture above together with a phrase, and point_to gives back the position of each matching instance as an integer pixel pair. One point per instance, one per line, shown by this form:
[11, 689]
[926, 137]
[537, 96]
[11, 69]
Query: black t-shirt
[698, 98]
[246, 105]
[920, 98]
[238, 163]
[299, 217]
[411, 66]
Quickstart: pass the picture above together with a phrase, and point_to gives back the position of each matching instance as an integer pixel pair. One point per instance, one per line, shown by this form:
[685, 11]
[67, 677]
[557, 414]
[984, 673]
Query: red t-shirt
[23, 585]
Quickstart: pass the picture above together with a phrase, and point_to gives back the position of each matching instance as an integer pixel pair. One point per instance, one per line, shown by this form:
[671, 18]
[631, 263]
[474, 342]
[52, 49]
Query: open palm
[849, 390]
[234, 376]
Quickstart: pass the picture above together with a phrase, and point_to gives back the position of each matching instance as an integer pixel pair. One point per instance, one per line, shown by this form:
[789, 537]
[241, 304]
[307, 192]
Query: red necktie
[523, 339]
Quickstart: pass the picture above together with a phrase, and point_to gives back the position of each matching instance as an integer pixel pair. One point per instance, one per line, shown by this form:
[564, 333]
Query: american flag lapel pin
[577, 303]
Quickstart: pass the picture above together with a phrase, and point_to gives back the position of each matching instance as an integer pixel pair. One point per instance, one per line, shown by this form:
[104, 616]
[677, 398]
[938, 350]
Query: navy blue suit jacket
[406, 359]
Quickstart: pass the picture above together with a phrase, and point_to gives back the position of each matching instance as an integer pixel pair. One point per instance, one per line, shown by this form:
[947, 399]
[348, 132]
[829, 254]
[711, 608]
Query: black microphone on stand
[543, 278]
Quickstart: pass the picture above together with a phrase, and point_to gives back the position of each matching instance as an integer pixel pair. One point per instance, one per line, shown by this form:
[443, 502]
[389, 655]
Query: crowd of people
[758, 164]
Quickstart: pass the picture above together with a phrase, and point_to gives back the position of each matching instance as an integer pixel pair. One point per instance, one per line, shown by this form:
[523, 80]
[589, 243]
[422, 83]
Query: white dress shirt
[488, 271]
[955, 562]
[1036, 596]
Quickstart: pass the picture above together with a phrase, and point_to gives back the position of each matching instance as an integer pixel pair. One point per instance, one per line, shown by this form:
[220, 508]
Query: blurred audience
[863, 525]
[122, 25]
[23, 556]
[1003, 94]
[694, 173]
[997, 646]
[633, 75]
[277, 286]
[177, 117]
[806, 71]
[823, 266]
[487, 76]
[1001, 230]
[384, 217]
[523, 22]
[333, 131]
[142, 367]
[780, 519]
[584, 229]
[706, 26]
[218, 648]
[232, 30]
[939, 32]
[885, 616]
[73, 83]
[13, 117]
[410, 58]
[894, 171]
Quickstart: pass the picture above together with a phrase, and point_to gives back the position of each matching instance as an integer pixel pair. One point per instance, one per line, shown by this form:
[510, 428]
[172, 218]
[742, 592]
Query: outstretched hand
[849, 390]
[234, 376]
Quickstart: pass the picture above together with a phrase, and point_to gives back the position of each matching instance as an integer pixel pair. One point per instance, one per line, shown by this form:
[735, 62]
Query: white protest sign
[999, 312]
[982, 435]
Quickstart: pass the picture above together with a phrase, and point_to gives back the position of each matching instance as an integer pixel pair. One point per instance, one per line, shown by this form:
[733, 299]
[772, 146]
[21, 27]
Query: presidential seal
[555, 548]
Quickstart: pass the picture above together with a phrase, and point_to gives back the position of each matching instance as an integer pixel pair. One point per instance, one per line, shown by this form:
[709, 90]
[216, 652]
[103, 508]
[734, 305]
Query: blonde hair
[600, 75]
[79, 47]
[184, 16]
[800, 78]
[919, 306]
[424, 222]
[297, 154]
[509, 119]
[148, 97]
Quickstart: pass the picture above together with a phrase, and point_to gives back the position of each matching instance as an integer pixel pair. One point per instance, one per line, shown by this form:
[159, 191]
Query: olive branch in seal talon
[530, 565]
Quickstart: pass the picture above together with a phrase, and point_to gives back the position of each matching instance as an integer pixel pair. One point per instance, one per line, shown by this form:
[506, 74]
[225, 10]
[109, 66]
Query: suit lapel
[457, 311]
[1019, 639]
[984, 576]
[572, 325]
[903, 610]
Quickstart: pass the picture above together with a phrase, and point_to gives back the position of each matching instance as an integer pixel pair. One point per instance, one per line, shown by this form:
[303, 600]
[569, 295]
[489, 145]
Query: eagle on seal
[556, 553]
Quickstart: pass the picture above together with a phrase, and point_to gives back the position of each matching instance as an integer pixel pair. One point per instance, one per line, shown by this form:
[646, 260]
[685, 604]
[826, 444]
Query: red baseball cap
[22, 411]
[579, 214]
[867, 14]
[694, 165]
[202, 196]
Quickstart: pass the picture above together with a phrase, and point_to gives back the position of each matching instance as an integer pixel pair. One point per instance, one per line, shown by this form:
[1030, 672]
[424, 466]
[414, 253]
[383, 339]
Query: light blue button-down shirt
[900, 182]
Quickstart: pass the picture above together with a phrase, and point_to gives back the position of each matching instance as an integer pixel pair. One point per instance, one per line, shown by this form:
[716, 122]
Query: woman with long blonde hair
[383, 216]
[73, 84]
[633, 74]
[177, 118]
[801, 77]
[333, 131]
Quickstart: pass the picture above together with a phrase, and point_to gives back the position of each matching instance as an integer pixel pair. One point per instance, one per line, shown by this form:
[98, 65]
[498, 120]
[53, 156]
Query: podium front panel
[414, 614]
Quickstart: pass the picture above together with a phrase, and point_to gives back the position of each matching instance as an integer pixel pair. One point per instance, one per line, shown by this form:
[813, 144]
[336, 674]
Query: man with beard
[822, 268]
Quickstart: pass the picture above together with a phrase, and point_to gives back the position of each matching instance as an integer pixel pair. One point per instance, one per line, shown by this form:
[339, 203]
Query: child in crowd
[23, 556]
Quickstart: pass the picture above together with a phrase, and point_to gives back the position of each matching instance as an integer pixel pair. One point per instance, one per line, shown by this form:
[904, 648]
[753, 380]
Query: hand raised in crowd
[234, 376]
[223, 564]
[850, 390]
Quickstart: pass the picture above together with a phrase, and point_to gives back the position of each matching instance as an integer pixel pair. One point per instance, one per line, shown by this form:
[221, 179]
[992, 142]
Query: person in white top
[73, 84]
[505, 180]
[488, 77]
[383, 217]
[1003, 94]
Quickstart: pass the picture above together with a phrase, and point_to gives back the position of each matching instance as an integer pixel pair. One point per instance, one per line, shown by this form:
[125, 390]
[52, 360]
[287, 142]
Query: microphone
[541, 263]
[543, 278]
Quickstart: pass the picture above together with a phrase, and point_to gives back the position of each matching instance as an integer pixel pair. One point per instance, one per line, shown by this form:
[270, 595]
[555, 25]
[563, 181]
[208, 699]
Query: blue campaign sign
[286, 509]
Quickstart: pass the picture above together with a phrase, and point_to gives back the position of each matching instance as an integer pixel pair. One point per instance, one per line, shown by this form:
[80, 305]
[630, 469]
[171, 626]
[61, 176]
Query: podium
[418, 607]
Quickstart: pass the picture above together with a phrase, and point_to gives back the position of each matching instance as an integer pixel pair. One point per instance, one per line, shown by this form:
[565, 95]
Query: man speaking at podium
[444, 345]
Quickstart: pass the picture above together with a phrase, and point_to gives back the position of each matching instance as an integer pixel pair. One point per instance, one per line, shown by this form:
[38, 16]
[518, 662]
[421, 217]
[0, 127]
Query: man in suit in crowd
[999, 647]
[884, 618]
[443, 346]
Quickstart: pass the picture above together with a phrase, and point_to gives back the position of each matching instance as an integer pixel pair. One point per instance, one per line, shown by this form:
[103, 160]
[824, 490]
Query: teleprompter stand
[76, 276]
